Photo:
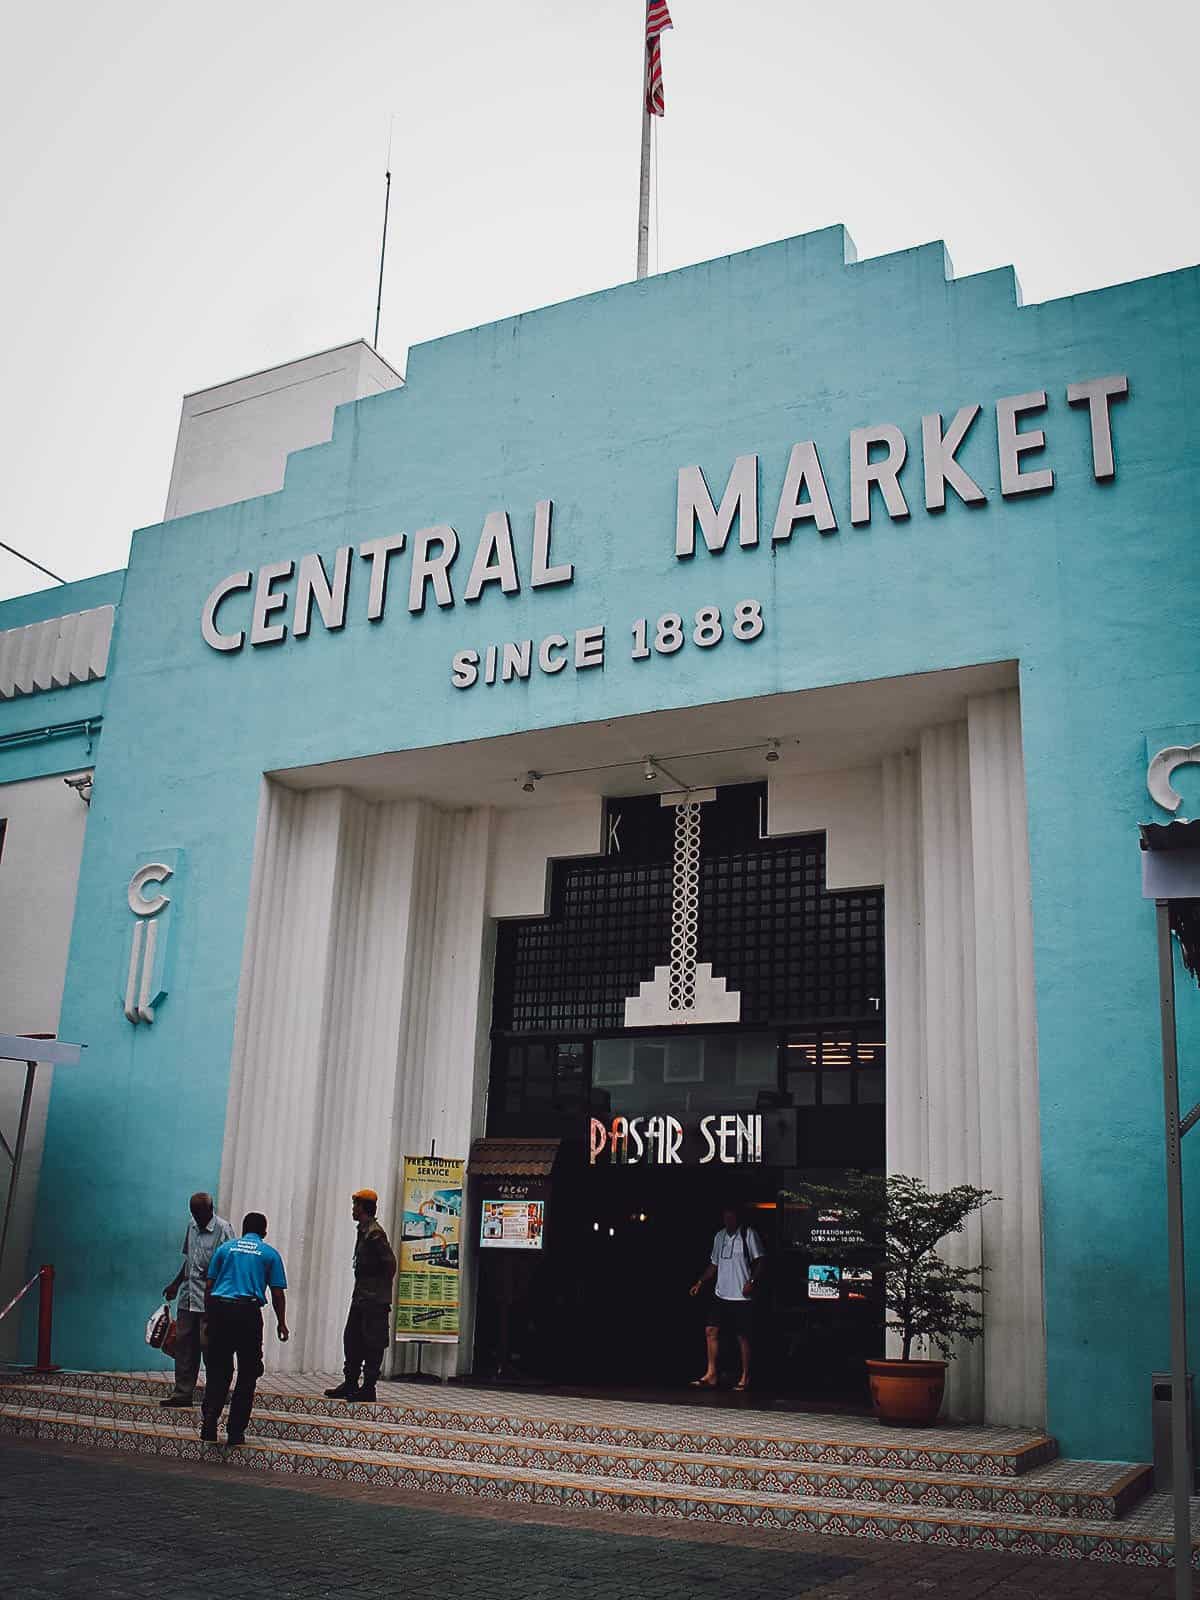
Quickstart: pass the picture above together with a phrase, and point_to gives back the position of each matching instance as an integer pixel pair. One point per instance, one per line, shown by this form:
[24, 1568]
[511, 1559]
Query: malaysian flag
[658, 20]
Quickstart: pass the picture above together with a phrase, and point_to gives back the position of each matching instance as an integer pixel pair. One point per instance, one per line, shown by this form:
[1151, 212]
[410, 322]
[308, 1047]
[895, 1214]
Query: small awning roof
[1178, 834]
[513, 1158]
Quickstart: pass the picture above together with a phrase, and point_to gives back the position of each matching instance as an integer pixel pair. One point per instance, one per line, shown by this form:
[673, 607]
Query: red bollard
[45, 1320]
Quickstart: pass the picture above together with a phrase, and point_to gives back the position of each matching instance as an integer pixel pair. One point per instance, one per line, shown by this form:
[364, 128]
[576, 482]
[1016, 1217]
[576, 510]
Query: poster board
[824, 1282]
[511, 1224]
[513, 1213]
[429, 1275]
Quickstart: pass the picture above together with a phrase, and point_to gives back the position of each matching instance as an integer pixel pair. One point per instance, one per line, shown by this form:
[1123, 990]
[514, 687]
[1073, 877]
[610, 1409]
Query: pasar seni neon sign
[728, 1139]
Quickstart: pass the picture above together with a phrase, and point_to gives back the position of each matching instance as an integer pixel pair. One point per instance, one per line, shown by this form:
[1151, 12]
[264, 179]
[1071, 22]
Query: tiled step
[761, 1436]
[1139, 1542]
[1091, 1492]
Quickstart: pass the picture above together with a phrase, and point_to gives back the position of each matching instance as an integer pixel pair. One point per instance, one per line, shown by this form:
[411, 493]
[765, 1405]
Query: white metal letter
[436, 568]
[543, 572]
[884, 472]
[494, 559]
[377, 551]
[1096, 394]
[547, 662]
[464, 669]
[209, 631]
[694, 503]
[803, 472]
[262, 631]
[1013, 445]
[941, 468]
[312, 583]
[589, 646]
[515, 659]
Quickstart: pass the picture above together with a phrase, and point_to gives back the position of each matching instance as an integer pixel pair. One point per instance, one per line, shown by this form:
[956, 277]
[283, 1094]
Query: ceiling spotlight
[649, 774]
[531, 779]
[773, 750]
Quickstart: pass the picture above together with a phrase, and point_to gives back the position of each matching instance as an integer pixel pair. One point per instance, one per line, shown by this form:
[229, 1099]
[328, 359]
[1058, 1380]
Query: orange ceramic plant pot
[907, 1394]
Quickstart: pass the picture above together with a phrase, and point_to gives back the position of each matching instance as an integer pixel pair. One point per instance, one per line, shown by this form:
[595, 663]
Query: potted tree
[893, 1225]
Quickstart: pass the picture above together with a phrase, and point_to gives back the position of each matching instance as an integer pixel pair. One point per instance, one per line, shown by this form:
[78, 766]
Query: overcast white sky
[192, 192]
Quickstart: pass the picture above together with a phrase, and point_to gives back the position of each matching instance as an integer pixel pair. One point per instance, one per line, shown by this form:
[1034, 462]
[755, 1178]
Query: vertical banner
[428, 1279]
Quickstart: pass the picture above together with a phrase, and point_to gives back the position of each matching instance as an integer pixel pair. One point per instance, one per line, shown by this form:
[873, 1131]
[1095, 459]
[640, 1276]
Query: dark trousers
[235, 1331]
[365, 1340]
[189, 1336]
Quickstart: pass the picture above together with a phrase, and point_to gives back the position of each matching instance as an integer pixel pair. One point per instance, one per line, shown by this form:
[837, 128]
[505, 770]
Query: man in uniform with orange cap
[367, 1327]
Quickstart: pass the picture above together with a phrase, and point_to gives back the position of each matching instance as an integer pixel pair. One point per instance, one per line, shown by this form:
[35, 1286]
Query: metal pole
[1180, 1465]
[643, 245]
[45, 1320]
[18, 1150]
[31, 562]
[387, 197]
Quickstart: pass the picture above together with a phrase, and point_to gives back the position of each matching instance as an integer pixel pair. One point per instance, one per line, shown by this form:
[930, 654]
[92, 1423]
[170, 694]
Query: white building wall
[526, 842]
[847, 807]
[39, 873]
[234, 439]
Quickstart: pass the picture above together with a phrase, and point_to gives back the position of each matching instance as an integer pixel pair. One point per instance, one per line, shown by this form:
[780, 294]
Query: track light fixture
[655, 768]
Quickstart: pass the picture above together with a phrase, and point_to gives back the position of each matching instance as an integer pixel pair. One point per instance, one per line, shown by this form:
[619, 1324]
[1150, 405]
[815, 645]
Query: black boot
[367, 1392]
[346, 1390]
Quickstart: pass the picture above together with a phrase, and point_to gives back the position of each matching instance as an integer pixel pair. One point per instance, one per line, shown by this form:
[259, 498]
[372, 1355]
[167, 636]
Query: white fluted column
[442, 1094]
[361, 1030]
[356, 1139]
[278, 1057]
[951, 1036]
[1008, 1071]
[907, 1085]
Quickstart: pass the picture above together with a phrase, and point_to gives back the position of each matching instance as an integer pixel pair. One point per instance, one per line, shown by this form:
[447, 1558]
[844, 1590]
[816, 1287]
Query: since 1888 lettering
[664, 636]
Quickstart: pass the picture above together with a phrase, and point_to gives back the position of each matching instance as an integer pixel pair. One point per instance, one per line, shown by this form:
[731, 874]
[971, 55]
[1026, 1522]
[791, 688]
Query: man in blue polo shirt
[239, 1275]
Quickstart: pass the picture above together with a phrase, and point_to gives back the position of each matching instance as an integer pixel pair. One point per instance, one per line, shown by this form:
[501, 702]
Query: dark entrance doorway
[606, 1303]
[608, 1306]
[640, 1239]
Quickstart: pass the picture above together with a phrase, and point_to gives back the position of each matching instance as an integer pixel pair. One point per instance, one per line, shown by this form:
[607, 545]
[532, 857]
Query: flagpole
[643, 245]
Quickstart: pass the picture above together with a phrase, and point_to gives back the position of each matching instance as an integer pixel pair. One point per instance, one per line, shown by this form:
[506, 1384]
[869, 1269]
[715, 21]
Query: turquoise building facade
[1073, 594]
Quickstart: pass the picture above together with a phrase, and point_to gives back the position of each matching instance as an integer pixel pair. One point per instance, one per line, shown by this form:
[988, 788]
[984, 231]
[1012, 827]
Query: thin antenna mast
[387, 197]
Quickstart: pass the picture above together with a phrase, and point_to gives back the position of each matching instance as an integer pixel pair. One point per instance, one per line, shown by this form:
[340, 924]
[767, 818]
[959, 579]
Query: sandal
[702, 1383]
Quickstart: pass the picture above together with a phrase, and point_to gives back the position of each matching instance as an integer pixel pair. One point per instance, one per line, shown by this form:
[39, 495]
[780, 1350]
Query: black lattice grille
[794, 952]
[572, 971]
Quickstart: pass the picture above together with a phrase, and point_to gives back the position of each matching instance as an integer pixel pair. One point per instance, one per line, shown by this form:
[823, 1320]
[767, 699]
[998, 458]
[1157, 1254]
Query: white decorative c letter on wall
[1162, 765]
[146, 973]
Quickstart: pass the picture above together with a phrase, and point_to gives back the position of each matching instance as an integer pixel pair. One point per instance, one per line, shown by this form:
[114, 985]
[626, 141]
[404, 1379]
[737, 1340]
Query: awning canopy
[513, 1158]
[1171, 872]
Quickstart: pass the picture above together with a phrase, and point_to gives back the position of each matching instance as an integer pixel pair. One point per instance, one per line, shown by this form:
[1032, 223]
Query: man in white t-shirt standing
[737, 1255]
